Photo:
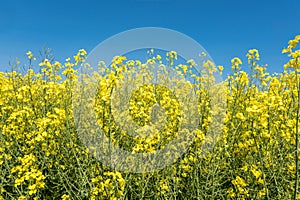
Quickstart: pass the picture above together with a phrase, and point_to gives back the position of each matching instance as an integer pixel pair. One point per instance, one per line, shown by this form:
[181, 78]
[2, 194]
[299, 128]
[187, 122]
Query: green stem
[297, 136]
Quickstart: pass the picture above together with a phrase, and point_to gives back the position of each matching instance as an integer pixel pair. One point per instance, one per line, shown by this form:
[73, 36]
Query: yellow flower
[240, 116]
[244, 168]
[29, 55]
[65, 197]
[231, 192]
[255, 171]
[260, 181]
[22, 197]
[262, 192]
[238, 181]
[236, 62]
[253, 54]
[221, 68]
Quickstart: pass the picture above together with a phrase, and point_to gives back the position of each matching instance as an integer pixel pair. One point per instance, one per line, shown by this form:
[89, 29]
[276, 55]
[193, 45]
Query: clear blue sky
[224, 28]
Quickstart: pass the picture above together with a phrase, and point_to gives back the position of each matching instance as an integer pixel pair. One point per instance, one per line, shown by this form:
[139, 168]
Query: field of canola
[255, 157]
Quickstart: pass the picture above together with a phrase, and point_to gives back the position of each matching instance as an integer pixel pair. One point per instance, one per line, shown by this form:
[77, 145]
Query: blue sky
[224, 28]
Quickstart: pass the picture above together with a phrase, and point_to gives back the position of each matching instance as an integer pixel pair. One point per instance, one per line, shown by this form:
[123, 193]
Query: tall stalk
[297, 135]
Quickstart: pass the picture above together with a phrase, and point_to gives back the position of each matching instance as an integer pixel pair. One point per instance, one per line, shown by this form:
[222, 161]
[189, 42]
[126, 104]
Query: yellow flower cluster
[42, 156]
[109, 186]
